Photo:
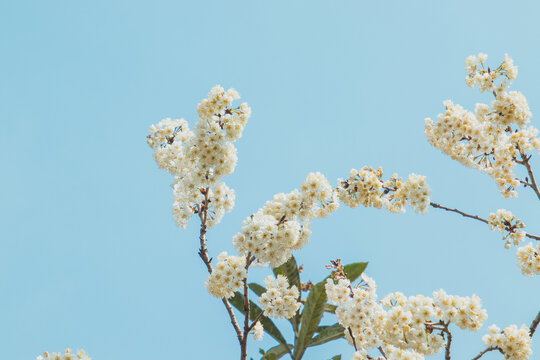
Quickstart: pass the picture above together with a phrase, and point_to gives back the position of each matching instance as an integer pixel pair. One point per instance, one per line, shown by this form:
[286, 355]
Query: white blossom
[496, 135]
[283, 224]
[279, 300]
[228, 275]
[200, 158]
[408, 327]
[504, 221]
[258, 331]
[513, 341]
[366, 187]
[528, 257]
[68, 354]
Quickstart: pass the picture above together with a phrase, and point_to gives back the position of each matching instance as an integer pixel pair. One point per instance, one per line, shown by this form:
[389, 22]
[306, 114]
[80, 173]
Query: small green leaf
[327, 333]
[277, 352]
[337, 357]
[257, 289]
[238, 302]
[353, 271]
[330, 308]
[311, 316]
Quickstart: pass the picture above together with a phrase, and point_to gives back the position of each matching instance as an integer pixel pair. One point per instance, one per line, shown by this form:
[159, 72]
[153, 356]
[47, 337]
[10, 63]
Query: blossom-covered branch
[504, 221]
[476, 217]
[495, 136]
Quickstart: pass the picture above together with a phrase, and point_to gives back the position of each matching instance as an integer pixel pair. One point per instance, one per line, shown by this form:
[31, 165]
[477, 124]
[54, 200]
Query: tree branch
[534, 324]
[243, 344]
[448, 342]
[203, 253]
[491, 348]
[525, 162]
[476, 217]
[255, 320]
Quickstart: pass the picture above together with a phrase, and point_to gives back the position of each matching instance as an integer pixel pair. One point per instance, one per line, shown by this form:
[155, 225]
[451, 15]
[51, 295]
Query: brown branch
[491, 348]
[448, 341]
[534, 324]
[525, 162]
[476, 217]
[353, 339]
[203, 253]
[256, 320]
[437, 206]
[243, 344]
[524, 182]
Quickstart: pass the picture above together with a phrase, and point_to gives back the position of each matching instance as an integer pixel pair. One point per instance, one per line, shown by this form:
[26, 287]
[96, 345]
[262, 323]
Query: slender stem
[525, 162]
[491, 348]
[475, 217]
[353, 339]
[382, 352]
[243, 344]
[448, 341]
[203, 253]
[534, 324]
[437, 206]
[255, 320]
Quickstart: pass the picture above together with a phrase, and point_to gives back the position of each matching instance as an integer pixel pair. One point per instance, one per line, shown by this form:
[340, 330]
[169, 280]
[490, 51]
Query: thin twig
[524, 182]
[475, 217]
[243, 346]
[382, 352]
[534, 324]
[353, 340]
[257, 318]
[525, 162]
[448, 341]
[203, 253]
[491, 348]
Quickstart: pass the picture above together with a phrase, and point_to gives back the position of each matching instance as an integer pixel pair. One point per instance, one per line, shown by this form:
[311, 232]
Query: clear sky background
[90, 256]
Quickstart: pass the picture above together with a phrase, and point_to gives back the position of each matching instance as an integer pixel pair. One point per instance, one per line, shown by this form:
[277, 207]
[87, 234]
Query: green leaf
[238, 302]
[277, 352]
[353, 271]
[330, 308]
[337, 357]
[310, 318]
[327, 333]
[257, 289]
[290, 271]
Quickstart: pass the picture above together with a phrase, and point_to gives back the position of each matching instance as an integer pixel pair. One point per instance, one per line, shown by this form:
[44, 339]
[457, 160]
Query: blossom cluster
[200, 158]
[283, 224]
[528, 257]
[227, 276]
[366, 187]
[68, 354]
[514, 342]
[412, 326]
[495, 136]
[391, 353]
[504, 221]
[258, 331]
[279, 300]
[478, 75]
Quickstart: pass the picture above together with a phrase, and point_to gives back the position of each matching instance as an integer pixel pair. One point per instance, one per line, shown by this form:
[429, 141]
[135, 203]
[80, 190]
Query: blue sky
[89, 253]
